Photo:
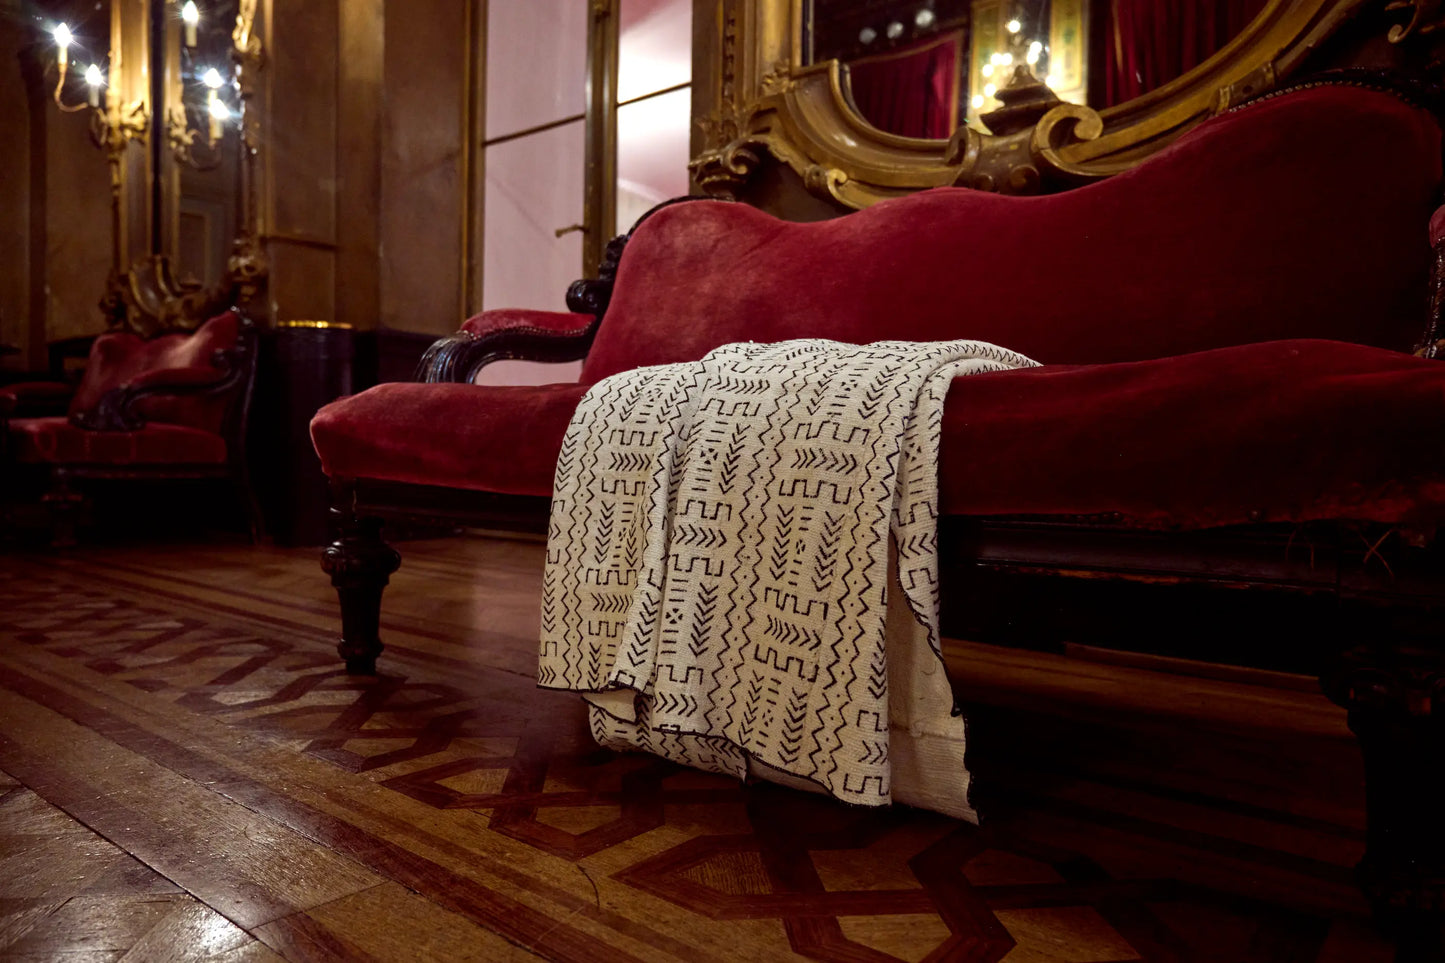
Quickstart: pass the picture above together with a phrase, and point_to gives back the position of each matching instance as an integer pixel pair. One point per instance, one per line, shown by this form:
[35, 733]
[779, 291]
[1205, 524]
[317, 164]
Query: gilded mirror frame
[145, 142]
[766, 101]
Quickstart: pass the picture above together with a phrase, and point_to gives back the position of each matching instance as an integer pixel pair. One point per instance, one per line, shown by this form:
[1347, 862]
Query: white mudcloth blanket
[719, 559]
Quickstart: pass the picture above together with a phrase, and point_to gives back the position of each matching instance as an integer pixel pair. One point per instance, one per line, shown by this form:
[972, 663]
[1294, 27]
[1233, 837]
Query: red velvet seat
[57, 441]
[1283, 431]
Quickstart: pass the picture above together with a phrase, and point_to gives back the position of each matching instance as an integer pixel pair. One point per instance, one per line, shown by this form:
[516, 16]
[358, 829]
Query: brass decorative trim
[326, 325]
[767, 102]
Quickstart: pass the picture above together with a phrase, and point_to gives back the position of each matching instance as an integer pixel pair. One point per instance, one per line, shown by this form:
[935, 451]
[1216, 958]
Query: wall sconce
[112, 124]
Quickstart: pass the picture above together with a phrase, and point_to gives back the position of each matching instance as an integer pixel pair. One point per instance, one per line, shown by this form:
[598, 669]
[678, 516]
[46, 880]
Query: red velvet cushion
[1285, 431]
[1281, 431]
[117, 359]
[56, 441]
[1246, 229]
[488, 437]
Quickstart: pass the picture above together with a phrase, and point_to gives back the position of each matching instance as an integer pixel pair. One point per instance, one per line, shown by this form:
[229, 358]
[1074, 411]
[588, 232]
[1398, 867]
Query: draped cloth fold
[723, 538]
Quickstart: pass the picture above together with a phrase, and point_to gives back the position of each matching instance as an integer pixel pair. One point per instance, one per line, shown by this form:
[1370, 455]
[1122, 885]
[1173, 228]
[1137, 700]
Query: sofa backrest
[1299, 216]
[118, 358]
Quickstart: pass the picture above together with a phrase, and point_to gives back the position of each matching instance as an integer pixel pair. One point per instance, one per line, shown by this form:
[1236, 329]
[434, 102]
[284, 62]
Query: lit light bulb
[977, 101]
[1051, 81]
[867, 35]
[219, 112]
[191, 16]
[924, 18]
[1005, 60]
[62, 35]
[995, 59]
[94, 78]
[1035, 49]
[988, 70]
[989, 89]
[1014, 26]
[212, 78]
[895, 30]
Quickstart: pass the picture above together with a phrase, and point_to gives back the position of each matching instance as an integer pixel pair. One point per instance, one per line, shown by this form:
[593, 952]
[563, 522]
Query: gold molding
[767, 102]
[325, 325]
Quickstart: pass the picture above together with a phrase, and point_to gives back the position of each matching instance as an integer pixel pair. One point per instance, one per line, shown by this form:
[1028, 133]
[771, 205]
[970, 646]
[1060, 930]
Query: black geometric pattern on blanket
[719, 546]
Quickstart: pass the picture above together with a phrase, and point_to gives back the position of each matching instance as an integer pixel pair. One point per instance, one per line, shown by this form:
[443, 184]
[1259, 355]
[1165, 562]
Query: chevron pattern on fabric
[718, 561]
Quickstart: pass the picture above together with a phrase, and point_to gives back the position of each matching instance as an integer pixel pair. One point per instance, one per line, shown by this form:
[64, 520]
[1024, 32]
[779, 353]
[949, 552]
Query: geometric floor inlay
[847, 884]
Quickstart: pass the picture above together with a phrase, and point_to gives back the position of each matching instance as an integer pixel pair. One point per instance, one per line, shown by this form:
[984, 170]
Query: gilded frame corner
[767, 102]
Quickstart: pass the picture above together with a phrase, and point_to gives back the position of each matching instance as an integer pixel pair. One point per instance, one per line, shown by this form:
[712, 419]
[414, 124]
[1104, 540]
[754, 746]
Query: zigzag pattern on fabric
[719, 551]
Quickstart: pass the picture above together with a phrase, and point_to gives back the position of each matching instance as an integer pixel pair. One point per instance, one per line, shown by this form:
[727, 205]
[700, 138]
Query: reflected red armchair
[170, 407]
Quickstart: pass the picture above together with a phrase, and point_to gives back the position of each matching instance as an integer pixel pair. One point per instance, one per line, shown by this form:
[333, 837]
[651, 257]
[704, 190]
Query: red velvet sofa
[1229, 414]
[172, 406]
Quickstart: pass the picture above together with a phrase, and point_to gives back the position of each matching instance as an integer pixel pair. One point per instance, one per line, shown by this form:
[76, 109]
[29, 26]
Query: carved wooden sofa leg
[1396, 703]
[360, 564]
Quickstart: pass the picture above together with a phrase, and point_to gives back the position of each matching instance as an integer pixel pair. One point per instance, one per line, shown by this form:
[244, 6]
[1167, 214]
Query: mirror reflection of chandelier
[1048, 37]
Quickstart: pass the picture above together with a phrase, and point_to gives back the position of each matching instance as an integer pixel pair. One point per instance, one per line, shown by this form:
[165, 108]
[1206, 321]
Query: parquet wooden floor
[187, 775]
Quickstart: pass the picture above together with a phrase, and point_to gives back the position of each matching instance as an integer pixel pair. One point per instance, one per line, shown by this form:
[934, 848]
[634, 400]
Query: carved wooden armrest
[505, 336]
[1432, 343]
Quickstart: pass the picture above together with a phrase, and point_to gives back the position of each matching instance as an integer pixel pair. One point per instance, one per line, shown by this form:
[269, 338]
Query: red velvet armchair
[171, 407]
[1229, 434]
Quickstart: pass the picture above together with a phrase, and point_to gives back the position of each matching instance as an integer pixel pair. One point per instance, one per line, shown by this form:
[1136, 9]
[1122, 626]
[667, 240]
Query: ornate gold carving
[246, 269]
[769, 104]
[118, 125]
[149, 298]
[778, 80]
[1065, 124]
[1426, 17]
[243, 35]
[1025, 99]
[824, 181]
[186, 143]
[724, 169]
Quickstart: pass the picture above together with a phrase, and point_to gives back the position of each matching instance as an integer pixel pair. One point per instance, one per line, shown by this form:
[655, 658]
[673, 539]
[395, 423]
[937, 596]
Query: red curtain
[1150, 42]
[913, 90]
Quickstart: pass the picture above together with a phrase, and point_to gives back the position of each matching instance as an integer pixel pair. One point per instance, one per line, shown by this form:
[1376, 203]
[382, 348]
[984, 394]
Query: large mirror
[922, 68]
[167, 102]
[861, 100]
[203, 138]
